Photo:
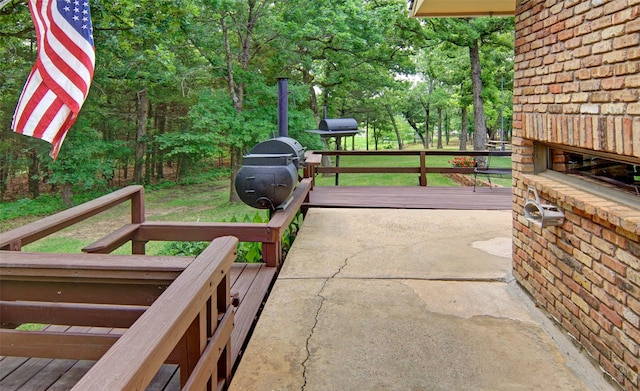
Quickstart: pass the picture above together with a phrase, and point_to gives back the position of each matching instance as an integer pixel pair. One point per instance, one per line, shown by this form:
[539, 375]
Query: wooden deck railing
[421, 168]
[189, 322]
[176, 310]
[15, 239]
[139, 231]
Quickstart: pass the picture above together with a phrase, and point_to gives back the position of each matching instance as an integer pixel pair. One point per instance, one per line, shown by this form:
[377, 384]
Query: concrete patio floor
[407, 300]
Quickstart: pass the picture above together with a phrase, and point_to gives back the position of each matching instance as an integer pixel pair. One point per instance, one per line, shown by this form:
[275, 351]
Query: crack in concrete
[340, 269]
[315, 322]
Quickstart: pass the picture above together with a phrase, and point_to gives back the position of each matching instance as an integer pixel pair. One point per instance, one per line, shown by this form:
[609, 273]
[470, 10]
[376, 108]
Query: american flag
[59, 81]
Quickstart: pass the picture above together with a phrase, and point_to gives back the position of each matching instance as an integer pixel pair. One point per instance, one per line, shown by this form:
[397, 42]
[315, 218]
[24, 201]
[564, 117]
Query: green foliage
[79, 160]
[291, 233]
[210, 68]
[42, 206]
[184, 248]
[250, 252]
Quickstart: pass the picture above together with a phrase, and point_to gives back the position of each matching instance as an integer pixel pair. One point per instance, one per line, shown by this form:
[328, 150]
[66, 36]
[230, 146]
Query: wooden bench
[176, 310]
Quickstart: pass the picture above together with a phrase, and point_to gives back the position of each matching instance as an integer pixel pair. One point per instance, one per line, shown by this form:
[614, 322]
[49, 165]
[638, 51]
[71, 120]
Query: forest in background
[191, 85]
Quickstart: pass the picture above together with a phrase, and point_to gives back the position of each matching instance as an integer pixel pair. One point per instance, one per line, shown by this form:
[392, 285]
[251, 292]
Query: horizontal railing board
[205, 232]
[77, 314]
[134, 292]
[67, 345]
[17, 263]
[113, 240]
[39, 229]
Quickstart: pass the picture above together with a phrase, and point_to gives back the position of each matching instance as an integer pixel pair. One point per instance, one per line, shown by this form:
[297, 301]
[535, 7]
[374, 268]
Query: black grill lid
[338, 124]
[267, 159]
[281, 145]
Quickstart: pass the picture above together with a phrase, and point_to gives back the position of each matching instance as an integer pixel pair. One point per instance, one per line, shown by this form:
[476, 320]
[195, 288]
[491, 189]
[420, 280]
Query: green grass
[403, 161]
[30, 327]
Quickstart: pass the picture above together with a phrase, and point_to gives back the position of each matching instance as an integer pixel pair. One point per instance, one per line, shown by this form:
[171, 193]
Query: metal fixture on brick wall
[541, 214]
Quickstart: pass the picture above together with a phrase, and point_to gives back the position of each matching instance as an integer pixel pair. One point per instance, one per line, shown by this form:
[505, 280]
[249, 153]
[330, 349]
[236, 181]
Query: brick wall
[577, 83]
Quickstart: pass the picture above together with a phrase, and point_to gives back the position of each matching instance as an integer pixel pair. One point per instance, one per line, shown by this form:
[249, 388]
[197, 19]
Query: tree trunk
[395, 127]
[425, 140]
[143, 112]
[161, 118]
[439, 128]
[67, 195]
[236, 162]
[34, 175]
[376, 137]
[367, 132]
[236, 92]
[463, 131]
[446, 127]
[307, 78]
[414, 126]
[479, 125]
[4, 175]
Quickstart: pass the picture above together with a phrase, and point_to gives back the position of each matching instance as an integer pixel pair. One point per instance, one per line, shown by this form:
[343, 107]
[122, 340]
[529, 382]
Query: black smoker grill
[269, 173]
[338, 124]
[337, 128]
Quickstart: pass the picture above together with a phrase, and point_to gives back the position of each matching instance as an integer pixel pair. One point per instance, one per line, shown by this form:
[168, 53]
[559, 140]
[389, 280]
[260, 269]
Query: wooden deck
[416, 197]
[249, 284]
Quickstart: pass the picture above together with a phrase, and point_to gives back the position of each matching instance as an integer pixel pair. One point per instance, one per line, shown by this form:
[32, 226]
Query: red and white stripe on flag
[60, 79]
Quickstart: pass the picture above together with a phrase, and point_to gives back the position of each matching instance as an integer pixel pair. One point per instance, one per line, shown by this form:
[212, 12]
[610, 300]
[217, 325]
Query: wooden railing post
[272, 252]
[423, 168]
[220, 306]
[279, 222]
[14, 246]
[191, 347]
[138, 217]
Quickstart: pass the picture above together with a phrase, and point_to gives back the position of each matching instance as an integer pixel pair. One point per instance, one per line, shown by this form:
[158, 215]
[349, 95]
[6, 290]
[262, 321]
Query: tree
[77, 165]
[473, 33]
[441, 98]
[241, 35]
[348, 50]
[207, 70]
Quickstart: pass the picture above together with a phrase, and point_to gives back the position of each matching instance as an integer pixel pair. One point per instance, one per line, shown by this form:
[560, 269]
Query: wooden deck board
[47, 375]
[251, 300]
[23, 373]
[414, 197]
[250, 281]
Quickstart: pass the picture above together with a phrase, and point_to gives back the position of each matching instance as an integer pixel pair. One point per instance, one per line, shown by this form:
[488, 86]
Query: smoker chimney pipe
[283, 107]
